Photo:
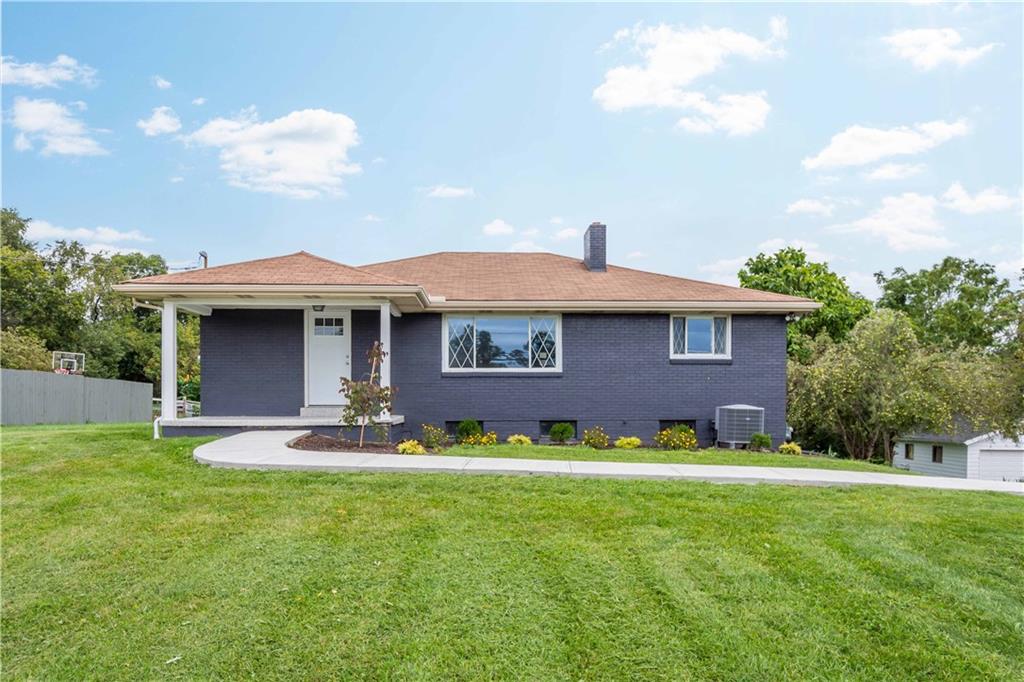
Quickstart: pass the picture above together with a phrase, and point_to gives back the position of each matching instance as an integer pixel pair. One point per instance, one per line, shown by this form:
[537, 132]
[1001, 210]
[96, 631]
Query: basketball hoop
[65, 362]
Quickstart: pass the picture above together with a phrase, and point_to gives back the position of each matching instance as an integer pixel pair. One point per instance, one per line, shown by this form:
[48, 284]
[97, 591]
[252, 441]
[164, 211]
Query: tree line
[59, 296]
[941, 350]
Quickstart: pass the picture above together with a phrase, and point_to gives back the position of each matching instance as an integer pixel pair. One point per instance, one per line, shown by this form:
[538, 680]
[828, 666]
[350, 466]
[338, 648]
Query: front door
[329, 336]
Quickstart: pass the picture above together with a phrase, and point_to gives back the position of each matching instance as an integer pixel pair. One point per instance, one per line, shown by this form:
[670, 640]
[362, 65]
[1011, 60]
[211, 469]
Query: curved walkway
[269, 450]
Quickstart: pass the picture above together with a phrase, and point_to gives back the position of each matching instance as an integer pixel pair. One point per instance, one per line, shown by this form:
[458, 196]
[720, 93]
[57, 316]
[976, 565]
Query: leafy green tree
[12, 230]
[957, 301]
[788, 271]
[23, 350]
[882, 381]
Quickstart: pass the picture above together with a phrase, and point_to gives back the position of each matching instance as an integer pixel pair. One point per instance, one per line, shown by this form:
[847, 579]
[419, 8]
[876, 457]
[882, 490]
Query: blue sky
[873, 135]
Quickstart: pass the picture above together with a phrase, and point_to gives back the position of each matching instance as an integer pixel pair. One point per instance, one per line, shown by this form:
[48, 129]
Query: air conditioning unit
[737, 423]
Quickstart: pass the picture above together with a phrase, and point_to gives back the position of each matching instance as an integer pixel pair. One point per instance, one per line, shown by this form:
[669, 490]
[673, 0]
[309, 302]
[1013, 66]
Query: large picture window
[700, 336]
[502, 343]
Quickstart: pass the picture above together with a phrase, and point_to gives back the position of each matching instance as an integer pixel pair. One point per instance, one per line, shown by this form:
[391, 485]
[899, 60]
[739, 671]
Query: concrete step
[321, 411]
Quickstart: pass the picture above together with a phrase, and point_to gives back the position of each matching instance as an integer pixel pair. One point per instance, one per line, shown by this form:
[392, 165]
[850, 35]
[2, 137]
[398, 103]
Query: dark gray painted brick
[616, 373]
[252, 362]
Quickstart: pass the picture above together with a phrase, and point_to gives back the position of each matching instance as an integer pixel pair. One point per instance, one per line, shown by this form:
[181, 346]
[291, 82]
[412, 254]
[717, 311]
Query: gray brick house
[515, 340]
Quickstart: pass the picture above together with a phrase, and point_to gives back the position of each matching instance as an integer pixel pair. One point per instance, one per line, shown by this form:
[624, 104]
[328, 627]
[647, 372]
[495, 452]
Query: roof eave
[630, 306]
[158, 291]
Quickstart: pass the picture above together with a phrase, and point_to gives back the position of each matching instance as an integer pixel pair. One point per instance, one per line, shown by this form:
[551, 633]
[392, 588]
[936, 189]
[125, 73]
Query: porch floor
[264, 422]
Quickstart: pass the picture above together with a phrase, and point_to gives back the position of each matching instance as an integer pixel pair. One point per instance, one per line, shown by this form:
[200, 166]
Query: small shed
[963, 454]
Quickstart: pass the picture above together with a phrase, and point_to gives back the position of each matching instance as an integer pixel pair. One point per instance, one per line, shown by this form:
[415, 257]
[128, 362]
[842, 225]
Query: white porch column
[169, 361]
[385, 342]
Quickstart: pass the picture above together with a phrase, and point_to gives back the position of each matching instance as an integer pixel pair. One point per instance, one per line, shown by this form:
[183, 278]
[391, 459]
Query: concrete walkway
[269, 450]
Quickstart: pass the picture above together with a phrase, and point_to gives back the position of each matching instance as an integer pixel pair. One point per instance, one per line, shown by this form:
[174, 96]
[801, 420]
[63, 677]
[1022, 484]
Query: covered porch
[274, 364]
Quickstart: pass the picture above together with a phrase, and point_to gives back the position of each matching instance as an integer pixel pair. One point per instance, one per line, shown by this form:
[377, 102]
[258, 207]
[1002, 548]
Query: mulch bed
[321, 443]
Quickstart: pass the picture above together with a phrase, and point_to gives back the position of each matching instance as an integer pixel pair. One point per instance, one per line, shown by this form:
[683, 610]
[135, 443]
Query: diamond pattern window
[700, 336]
[502, 342]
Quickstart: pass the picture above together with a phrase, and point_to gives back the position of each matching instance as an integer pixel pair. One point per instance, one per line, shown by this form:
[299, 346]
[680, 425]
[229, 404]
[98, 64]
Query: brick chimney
[595, 247]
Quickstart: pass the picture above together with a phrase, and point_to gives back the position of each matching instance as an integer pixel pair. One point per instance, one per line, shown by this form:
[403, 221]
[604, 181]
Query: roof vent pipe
[595, 247]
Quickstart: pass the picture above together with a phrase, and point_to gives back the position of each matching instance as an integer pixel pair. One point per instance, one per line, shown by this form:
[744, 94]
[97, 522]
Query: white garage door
[1001, 465]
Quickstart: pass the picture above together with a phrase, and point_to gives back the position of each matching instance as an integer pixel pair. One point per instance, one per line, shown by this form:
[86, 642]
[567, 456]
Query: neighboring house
[515, 340]
[964, 454]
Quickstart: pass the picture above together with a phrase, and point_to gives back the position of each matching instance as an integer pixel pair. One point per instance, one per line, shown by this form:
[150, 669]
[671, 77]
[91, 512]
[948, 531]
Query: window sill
[502, 373]
[700, 361]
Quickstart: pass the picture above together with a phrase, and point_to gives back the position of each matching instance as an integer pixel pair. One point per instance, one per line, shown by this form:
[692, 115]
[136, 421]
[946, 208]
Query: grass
[709, 456]
[124, 559]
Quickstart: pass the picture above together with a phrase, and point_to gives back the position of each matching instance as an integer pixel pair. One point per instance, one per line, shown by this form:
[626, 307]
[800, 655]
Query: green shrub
[22, 349]
[518, 439]
[561, 432]
[411, 447]
[467, 428]
[595, 438]
[791, 449]
[434, 437]
[628, 442]
[760, 441]
[679, 437]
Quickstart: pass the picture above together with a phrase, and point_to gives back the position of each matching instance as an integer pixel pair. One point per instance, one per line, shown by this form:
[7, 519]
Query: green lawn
[710, 456]
[124, 559]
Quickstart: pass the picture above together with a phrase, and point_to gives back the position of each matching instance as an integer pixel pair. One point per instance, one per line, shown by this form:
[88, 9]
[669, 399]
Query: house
[963, 454]
[516, 340]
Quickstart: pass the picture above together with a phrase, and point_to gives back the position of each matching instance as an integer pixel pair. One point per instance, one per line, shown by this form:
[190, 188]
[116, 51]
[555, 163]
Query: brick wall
[615, 372]
[252, 362]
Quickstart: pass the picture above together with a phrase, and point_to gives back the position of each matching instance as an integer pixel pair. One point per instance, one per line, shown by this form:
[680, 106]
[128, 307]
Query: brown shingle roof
[295, 268]
[550, 277]
[476, 276]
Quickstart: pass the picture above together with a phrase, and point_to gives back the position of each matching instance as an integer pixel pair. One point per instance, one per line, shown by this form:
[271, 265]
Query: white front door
[329, 358]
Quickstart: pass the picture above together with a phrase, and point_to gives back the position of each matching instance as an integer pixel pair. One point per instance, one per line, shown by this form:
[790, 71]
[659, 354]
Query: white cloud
[63, 69]
[556, 220]
[449, 192]
[162, 122]
[498, 227]
[676, 56]
[733, 114]
[177, 178]
[566, 233]
[378, 159]
[927, 48]
[822, 207]
[95, 240]
[636, 255]
[863, 283]
[526, 245]
[529, 232]
[895, 171]
[1011, 269]
[859, 145]
[372, 218]
[812, 250]
[906, 222]
[199, 101]
[161, 83]
[985, 201]
[52, 125]
[302, 155]
[724, 270]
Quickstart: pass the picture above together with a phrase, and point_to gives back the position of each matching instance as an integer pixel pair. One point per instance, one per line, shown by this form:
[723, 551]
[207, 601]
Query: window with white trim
[700, 336]
[517, 343]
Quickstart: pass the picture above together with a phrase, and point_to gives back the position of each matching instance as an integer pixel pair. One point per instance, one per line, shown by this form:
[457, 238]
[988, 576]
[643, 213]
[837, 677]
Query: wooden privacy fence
[28, 397]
